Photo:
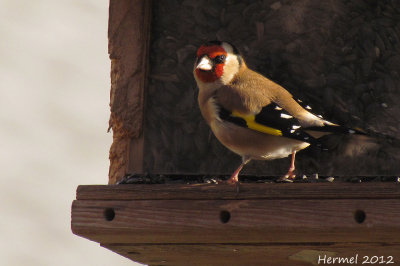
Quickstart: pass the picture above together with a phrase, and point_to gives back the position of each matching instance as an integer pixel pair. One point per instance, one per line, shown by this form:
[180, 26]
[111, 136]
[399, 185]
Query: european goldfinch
[250, 114]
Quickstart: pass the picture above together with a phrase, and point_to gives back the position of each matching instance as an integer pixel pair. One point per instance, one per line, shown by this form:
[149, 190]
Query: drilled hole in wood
[224, 216]
[109, 214]
[360, 216]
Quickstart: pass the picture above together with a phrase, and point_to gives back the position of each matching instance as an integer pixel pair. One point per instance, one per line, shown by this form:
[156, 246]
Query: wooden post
[129, 33]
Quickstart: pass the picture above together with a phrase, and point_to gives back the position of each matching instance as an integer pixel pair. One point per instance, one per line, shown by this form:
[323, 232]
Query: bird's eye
[220, 59]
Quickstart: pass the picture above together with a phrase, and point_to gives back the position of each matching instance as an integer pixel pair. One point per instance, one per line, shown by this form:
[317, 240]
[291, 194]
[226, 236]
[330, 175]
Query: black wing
[272, 120]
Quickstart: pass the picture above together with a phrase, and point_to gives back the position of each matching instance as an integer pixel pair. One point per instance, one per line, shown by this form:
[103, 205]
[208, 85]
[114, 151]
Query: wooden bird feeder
[157, 129]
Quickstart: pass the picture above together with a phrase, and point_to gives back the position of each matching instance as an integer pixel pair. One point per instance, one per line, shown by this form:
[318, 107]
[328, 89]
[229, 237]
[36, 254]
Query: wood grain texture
[129, 32]
[251, 221]
[376, 190]
[261, 254]
[268, 224]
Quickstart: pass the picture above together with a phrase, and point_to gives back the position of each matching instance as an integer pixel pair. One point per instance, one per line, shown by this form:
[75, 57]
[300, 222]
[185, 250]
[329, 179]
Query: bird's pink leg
[234, 179]
[290, 174]
[235, 176]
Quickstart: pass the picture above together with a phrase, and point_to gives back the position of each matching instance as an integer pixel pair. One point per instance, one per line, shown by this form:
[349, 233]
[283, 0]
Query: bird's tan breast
[253, 144]
[207, 104]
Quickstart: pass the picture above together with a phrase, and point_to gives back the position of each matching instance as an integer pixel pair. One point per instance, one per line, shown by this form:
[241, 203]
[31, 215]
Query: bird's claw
[234, 180]
[288, 178]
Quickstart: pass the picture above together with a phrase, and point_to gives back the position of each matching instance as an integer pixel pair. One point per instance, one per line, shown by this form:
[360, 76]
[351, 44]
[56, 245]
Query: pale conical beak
[204, 64]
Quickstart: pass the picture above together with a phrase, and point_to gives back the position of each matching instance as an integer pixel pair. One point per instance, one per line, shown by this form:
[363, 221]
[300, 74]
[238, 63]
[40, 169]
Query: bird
[250, 114]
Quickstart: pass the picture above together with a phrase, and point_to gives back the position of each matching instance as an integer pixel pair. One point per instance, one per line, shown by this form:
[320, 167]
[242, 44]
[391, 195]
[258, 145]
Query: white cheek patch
[231, 67]
[204, 64]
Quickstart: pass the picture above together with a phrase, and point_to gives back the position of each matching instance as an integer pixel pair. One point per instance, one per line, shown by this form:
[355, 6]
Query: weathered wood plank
[261, 254]
[129, 34]
[238, 221]
[247, 191]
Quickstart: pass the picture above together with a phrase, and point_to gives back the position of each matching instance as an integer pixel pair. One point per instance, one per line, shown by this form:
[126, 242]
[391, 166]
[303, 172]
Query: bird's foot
[234, 180]
[288, 178]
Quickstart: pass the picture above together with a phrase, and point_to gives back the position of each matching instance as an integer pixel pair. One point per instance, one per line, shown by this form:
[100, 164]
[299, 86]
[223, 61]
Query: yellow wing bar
[252, 124]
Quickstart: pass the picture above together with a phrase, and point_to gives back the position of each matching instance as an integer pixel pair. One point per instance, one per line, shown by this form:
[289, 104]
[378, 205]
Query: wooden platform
[263, 224]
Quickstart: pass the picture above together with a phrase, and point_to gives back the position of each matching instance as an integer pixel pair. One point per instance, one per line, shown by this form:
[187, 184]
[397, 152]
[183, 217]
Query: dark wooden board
[251, 221]
[288, 213]
[346, 69]
[281, 224]
[372, 190]
[341, 57]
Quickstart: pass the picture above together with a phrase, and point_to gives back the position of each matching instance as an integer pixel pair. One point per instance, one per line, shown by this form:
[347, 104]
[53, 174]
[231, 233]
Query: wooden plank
[129, 34]
[247, 191]
[238, 221]
[261, 254]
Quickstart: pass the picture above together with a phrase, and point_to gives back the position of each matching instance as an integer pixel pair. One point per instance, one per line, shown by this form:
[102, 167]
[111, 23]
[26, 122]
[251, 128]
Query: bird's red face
[210, 62]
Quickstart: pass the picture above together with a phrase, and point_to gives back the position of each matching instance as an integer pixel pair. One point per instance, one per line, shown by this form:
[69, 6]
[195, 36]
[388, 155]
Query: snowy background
[55, 83]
